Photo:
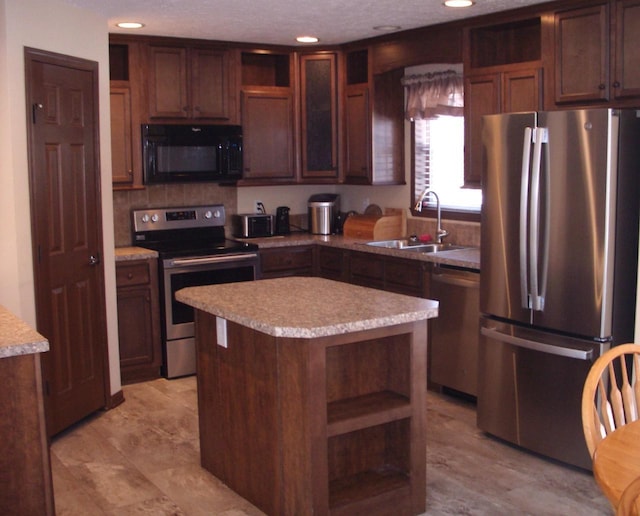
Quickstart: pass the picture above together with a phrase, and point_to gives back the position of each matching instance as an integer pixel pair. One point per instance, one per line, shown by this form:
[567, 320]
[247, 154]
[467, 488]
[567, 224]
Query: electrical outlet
[258, 207]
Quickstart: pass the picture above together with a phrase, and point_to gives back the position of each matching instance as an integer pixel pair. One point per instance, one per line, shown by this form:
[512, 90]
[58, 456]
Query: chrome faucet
[440, 233]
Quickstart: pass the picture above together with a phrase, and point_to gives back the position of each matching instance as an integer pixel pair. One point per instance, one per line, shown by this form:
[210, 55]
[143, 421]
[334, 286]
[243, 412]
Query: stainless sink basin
[417, 247]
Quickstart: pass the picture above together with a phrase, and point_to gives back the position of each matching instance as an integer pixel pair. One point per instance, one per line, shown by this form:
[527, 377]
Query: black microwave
[175, 153]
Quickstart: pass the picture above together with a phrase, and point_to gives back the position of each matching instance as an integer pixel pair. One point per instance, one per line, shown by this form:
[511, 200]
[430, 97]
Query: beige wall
[53, 26]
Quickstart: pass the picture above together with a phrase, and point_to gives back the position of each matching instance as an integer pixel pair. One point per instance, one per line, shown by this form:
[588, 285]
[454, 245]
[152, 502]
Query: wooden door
[267, 122]
[62, 94]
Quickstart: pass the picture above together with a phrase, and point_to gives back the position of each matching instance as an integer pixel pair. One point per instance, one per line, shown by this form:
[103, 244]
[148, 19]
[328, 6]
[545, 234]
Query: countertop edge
[468, 258]
[405, 308]
[18, 338]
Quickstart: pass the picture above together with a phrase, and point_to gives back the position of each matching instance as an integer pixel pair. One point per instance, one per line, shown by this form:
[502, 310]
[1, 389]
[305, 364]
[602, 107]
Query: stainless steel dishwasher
[455, 332]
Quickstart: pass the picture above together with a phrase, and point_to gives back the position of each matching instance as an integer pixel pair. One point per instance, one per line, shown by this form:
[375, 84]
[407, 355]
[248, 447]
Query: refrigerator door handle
[524, 204]
[578, 354]
[540, 136]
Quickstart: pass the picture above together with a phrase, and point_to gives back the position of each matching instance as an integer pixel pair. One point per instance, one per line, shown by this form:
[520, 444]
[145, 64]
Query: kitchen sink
[417, 247]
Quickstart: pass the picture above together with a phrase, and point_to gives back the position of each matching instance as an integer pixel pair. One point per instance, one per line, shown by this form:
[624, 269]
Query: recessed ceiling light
[307, 39]
[459, 3]
[387, 27]
[130, 25]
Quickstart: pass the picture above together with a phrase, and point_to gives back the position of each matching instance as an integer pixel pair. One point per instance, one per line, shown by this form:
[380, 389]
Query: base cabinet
[138, 320]
[287, 261]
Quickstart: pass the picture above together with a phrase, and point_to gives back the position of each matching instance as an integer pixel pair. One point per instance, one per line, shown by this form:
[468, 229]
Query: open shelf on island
[352, 414]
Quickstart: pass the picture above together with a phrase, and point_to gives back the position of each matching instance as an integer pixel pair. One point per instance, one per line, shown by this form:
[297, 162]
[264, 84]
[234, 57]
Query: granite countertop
[124, 254]
[304, 307]
[18, 338]
[468, 257]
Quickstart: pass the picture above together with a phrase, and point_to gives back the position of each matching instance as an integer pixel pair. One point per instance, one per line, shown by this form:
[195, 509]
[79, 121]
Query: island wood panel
[264, 408]
[25, 471]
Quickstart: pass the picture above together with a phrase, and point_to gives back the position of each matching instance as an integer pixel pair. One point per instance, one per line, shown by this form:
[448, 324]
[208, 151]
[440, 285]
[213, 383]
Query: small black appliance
[282, 221]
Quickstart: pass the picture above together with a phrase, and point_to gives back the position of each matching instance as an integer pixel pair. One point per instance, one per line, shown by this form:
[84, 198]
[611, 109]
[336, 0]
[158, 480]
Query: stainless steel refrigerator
[559, 251]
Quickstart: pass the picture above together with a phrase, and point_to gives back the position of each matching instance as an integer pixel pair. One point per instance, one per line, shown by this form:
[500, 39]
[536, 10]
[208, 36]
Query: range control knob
[154, 217]
[217, 214]
[208, 214]
[145, 218]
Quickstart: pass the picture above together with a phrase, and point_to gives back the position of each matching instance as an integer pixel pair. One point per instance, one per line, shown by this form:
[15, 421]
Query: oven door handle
[205, 260]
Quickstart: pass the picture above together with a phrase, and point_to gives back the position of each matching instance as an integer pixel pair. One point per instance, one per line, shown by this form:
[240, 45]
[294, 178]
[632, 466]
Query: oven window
[182, 313]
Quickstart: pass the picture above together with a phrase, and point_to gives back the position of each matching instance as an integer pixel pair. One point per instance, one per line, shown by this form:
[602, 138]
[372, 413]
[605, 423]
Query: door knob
[94, 259]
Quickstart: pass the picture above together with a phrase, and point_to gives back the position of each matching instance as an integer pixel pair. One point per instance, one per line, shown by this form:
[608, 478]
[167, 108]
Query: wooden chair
[629, 504]
[611, 393]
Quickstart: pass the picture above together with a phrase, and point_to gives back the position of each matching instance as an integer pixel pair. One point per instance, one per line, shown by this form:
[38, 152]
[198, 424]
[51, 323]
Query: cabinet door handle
[616, 84]
[601, 86]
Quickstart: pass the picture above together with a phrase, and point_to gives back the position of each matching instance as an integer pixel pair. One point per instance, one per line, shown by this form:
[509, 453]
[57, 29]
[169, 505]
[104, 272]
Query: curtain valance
[433, 94]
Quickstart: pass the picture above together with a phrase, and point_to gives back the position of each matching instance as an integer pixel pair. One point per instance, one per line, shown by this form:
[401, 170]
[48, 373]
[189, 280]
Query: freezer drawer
[530, 389]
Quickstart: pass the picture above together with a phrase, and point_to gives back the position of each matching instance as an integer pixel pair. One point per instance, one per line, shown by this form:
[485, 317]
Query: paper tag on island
[221, 331]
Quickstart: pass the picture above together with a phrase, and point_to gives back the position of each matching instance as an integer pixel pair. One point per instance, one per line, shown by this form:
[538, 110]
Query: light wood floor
[142, 458]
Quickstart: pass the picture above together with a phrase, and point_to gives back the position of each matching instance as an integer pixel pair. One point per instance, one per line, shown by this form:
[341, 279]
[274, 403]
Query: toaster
[253, 225]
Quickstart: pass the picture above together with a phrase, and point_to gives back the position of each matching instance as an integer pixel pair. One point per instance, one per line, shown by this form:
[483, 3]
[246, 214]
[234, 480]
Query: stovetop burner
[185, 231]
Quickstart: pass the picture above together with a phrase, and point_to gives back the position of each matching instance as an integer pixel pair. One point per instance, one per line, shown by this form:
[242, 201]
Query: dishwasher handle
[550, 349]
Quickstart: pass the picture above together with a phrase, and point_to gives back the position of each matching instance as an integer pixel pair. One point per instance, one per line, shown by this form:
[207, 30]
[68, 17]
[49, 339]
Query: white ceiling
[280, 21]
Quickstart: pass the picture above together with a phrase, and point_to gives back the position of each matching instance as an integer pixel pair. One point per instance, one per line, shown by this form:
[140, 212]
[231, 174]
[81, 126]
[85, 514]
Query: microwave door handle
[524, 203]
[223, 158]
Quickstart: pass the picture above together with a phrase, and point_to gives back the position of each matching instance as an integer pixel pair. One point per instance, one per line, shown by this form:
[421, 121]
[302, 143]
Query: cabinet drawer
[289, 259]
[132, 274]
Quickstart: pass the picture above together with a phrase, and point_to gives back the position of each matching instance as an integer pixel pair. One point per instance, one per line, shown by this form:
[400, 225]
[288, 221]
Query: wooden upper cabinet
[598, 54]
[357, 123]
[125, 77]
[319, 116]
[121, 129]
[627, 62]
[268, 135]
[373, 123]
[268, 118]
[210, 83]
[481, 97]
[189, 83]
[522, 90]
[582, 54]
[503, 74]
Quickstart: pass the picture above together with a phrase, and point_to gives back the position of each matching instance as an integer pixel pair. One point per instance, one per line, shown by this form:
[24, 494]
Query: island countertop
[17, 337]
[306, 307]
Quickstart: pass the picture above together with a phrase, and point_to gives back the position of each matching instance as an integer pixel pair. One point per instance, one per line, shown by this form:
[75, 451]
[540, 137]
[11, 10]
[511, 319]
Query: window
[439, 164]
[434, 106]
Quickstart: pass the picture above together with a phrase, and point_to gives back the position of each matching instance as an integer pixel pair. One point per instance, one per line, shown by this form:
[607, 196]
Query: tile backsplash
[460, 233]
[167, 196]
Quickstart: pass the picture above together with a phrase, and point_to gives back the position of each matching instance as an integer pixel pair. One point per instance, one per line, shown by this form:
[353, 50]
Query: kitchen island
[311, 394]
[25, 469]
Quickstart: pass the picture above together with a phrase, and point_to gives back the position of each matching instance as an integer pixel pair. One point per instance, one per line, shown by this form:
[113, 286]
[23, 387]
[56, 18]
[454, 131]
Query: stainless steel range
[193, 251]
